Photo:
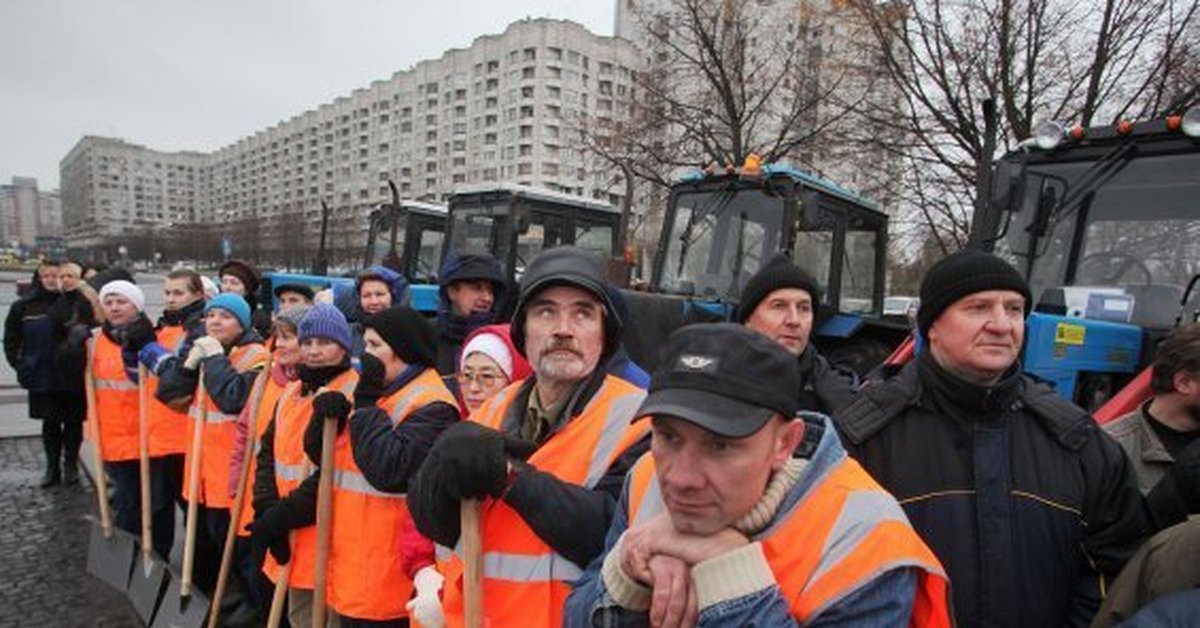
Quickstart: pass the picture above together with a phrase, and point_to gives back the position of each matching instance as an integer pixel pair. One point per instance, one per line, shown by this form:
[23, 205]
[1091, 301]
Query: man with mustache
[1030, 507]
[546, 456]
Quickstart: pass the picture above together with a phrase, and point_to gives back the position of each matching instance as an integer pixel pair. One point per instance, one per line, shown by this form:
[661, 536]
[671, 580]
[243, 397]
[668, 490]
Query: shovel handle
[324, 519]
[144, 463]
[193, 489]
[472, 546]
[93, 416]
[280, 594]
[239, 499]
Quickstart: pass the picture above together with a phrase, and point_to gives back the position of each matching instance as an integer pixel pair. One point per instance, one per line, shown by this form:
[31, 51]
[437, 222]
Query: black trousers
[166, 477]
[61, 440]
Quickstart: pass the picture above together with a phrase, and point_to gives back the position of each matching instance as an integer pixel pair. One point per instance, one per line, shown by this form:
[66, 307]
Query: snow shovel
[193, 490]
[472, 545]
[235, 516]
[179, 610]
[324, 520]
[110, 551]
[146, 582]
[275, 617]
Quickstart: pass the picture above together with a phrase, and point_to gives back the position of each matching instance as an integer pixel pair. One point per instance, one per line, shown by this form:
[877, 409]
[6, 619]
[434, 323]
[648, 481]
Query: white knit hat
[125, 289]
[493, 347]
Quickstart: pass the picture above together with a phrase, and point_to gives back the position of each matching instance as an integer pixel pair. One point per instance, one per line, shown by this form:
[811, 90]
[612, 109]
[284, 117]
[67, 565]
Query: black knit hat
[566, 266]
[411, 337]
[961, 274]
[778, 272]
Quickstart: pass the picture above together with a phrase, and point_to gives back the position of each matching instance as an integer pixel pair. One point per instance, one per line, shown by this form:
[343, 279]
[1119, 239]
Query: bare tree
[1066, 60]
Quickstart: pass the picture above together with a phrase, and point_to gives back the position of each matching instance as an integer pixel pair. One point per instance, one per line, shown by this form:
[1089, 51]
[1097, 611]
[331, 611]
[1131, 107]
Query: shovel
[179, 610]
[275, 617]
[324, 520]
[472, 546]
[193, 490]
[110, 551]
[260, 385]
[146, 583]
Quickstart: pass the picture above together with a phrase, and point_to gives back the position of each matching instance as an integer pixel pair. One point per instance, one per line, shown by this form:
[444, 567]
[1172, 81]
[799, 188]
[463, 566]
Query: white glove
[205, 347]
[426, 606]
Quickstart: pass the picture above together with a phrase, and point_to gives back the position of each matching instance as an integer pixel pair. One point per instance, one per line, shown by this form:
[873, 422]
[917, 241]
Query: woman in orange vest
[285, 481]
[401, 406]
[285, 358]
[181, 323]
[230, 354]
[116, 410]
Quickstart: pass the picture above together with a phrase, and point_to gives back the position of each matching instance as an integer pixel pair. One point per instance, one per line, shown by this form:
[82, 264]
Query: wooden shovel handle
[193, 492]
[324, 519]
[144, 464]
[472, 547]
[93, 417]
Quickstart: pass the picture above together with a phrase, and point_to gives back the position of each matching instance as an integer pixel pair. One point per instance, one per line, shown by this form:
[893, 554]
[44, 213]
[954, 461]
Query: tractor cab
[513, 223]
[408, 237]
[1105, 225]
[721, 227]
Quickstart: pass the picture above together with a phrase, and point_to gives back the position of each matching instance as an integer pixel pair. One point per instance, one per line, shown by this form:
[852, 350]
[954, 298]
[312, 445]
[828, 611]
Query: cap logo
[696, 362]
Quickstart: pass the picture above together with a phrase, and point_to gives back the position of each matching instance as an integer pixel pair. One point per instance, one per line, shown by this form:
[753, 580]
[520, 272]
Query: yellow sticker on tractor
[1069, 334]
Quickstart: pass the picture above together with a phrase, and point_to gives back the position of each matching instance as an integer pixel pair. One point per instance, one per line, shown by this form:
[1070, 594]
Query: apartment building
[512, 107]
[27, 213]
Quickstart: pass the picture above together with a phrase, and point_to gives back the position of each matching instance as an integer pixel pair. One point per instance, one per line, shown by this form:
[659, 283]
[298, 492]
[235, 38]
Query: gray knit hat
[291, 316]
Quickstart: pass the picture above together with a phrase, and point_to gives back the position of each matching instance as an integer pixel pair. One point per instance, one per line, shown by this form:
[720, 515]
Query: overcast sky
[198, 75]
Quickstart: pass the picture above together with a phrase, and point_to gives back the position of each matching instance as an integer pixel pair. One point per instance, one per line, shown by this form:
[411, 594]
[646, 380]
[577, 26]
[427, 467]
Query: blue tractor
[1104, 223]
[720, 227]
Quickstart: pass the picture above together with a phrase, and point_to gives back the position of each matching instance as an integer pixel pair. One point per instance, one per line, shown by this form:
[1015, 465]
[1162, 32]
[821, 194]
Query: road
[43, 533]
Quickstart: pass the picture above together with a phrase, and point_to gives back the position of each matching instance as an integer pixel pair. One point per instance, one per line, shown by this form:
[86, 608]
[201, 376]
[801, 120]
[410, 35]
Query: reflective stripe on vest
[354, 482]
[292, 472]
[525, 568]
[115, 384]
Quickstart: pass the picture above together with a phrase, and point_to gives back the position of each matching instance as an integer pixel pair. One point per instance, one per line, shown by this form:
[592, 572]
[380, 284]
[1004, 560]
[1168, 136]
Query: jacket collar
[962, 400]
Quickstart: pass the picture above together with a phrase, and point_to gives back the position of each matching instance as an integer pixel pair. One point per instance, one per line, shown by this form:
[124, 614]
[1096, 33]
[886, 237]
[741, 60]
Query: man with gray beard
[548, 454]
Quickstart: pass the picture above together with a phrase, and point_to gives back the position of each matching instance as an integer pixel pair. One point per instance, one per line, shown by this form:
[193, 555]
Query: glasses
[485, 379]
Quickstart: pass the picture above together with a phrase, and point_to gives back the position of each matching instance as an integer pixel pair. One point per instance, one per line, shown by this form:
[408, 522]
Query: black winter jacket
[29, 343]
[228, 388]
[571, 519]
[824, 388]
[1028, 504]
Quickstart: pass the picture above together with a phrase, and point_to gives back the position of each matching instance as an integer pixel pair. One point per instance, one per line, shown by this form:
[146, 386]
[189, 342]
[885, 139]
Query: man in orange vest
[547, 455]
[748, 513]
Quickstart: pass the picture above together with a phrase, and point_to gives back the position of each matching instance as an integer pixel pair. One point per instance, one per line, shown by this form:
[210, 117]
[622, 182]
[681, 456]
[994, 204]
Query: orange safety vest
[168, 430]
[525, 582]
[266, 409]
[116, 400]
[220, 434]
[843, 533]
[367, 578]
[292, 467]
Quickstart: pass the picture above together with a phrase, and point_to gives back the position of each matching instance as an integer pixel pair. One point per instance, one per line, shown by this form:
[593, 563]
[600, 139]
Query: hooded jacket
[453, 328]
[29, 338]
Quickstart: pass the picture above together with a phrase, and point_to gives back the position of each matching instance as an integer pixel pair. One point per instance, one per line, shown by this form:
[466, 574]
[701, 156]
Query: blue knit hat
[233, 304]
[326, 321]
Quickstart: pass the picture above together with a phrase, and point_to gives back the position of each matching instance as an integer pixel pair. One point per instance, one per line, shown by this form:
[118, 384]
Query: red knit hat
[520, 366]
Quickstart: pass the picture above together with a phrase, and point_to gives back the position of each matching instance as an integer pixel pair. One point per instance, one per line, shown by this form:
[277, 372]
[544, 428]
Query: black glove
[370, 382]
[139, 334]
[327, 404]
[270, 530]
[473, 460]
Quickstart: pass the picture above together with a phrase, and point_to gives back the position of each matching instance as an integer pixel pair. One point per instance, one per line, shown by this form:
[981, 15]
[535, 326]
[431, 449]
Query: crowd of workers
[746, 481]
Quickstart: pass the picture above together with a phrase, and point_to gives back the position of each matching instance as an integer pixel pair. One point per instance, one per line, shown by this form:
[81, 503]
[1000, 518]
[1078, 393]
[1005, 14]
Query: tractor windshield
[718, 239]
[482, 230]
[1136, 228]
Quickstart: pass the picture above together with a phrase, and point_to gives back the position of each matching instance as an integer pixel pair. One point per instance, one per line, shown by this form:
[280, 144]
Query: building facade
[511, 107]
[27, 214]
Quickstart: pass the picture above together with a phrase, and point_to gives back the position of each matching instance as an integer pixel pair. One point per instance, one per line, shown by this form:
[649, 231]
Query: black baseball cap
[725, 378]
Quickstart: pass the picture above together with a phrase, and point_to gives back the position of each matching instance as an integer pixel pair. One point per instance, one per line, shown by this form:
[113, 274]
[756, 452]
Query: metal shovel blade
[111, 558]
[146, 586]
[176, 611]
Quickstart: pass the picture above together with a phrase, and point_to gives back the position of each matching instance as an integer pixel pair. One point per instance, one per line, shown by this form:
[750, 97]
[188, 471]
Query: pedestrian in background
[29, 347]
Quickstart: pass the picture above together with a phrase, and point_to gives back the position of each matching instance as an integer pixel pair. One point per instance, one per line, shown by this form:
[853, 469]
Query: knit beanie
[494, 342]
[325, 321]
[233, 304]
[961, 274]
[291, 316]
[244, 271]
[778, 272]
[411, 337]
[126, 289]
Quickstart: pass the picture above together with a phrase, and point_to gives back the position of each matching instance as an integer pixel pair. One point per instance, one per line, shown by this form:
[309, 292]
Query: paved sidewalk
[43, 541]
